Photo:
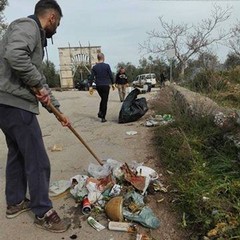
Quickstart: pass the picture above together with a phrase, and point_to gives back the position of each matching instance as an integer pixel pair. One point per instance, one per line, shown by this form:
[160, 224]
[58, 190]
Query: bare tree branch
[186, 40]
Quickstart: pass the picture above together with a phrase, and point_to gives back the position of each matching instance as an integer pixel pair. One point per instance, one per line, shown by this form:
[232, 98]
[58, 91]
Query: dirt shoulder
[107, 140]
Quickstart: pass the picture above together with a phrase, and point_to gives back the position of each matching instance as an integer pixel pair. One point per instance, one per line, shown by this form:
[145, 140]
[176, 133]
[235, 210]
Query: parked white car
[147, 78]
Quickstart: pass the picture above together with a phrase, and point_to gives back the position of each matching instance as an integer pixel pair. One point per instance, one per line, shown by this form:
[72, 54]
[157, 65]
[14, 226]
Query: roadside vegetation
[204, 167]
[205, 164]
[221, 86]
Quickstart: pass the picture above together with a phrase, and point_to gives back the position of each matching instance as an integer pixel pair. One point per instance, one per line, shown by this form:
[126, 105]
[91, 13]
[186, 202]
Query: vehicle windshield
[149, 76]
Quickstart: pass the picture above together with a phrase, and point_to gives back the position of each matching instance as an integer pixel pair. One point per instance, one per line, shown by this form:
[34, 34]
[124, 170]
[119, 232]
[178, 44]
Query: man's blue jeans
[27, 160]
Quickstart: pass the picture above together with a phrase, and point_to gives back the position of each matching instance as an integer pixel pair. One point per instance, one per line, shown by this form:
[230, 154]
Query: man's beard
[49, 34]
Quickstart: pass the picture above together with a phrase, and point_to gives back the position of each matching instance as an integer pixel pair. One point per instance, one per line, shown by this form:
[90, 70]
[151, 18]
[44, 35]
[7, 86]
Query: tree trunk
[182, 72]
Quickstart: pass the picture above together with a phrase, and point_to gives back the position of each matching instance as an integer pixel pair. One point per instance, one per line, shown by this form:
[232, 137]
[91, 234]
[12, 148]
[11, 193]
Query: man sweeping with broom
[22, 86]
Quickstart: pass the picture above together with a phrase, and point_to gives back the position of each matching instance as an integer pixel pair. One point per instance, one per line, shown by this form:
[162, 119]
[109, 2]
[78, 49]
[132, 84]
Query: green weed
[206, 173]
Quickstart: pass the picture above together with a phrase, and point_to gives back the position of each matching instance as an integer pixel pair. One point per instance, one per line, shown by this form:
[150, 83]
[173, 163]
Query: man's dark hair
[43, 5]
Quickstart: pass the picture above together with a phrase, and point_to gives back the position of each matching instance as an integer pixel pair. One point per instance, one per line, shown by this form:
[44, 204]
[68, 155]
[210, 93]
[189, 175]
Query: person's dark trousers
[27, 160]
[103, 91]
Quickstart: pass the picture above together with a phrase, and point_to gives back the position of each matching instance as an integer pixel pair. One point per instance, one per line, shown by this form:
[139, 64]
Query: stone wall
[197, 105]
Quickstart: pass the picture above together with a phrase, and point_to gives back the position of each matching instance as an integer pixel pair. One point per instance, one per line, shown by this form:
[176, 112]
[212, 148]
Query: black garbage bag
[132, 109]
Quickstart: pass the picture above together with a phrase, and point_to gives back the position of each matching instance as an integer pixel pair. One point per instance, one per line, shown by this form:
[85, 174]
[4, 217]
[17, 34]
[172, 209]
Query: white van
[147, 78]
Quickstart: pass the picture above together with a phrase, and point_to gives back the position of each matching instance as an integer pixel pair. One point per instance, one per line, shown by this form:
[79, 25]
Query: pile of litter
[159, 120]
[116, 188]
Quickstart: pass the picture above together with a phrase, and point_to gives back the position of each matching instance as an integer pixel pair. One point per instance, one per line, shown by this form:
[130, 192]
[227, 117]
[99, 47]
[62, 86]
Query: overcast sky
[118, 26]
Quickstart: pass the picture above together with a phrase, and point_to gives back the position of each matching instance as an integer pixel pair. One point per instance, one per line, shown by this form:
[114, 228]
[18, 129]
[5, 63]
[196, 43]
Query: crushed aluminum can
[115, 191]
[86, 206]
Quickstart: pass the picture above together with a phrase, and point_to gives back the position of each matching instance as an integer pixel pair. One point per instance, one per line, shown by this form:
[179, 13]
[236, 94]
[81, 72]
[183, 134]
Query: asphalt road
[107, 140]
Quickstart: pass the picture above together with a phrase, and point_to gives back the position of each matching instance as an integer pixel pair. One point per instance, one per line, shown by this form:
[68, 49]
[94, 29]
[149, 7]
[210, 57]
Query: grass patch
[206, 172]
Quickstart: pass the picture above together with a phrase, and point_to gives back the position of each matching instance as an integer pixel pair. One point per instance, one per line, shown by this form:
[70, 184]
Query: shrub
[234, 75]
[208, 81]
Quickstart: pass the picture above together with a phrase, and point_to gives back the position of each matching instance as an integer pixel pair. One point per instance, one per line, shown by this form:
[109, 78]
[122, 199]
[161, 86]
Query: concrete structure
[71, 58]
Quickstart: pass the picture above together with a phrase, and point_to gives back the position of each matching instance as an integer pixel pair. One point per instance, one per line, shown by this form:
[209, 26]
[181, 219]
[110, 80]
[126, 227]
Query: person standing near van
[122, 83]
[162, 80]
[102, 74]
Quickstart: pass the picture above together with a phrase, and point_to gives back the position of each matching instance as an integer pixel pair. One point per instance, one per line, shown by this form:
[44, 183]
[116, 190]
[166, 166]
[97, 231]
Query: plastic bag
[79, 190]
[58, 187]
[94, 194]
[110, 165]
[97, 171]
[132, 108]
[116, 167]
[146, 217]
[136, 198]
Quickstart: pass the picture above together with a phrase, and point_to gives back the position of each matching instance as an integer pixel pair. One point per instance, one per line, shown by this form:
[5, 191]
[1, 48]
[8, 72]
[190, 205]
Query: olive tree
[52, 77]
[232, 60]
[186, 40]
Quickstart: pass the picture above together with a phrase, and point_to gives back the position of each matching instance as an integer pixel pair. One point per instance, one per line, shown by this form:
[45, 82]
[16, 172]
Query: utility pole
[170, 55]
[171, 61]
